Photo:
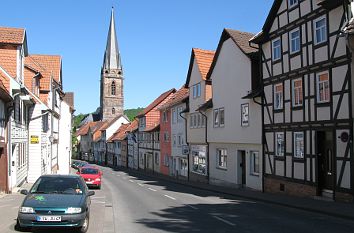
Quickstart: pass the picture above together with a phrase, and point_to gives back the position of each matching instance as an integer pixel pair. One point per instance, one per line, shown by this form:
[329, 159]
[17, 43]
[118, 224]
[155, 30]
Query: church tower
[111, 93]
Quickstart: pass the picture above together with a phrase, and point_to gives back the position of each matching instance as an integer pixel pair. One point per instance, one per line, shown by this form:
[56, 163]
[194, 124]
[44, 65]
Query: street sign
[185, 149]
[34, 139]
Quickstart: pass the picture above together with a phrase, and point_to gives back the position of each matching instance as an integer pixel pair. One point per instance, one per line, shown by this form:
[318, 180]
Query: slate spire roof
[111, 56]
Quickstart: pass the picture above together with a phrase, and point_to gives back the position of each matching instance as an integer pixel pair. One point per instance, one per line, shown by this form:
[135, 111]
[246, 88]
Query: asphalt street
[134, 203]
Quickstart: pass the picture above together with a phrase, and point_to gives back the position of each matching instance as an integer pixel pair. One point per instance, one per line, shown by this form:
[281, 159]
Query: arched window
[113, 111]
[113, 88]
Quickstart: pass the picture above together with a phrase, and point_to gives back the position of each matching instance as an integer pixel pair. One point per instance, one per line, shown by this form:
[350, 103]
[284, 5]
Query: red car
[92, 176]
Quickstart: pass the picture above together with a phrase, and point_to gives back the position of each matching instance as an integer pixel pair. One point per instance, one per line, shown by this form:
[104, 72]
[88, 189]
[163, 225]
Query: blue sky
[155, 39]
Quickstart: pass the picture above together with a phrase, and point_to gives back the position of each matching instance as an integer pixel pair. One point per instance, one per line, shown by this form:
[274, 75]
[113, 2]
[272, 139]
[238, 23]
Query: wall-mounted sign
[34, 139]
[185, 149]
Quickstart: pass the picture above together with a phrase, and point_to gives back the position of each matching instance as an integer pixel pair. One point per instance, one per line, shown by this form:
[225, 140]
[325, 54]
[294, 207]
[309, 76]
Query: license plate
[89, 182]
[48, 218]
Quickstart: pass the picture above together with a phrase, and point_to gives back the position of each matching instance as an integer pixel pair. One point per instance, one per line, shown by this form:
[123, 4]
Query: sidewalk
[336, 209]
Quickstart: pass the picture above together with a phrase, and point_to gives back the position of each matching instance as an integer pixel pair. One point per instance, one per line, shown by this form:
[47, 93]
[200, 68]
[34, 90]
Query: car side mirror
[24, 191]
[91, 193]
[78, 172]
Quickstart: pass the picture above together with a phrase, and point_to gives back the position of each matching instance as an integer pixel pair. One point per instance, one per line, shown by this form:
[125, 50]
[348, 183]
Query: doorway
[325, 161]
[241, 167]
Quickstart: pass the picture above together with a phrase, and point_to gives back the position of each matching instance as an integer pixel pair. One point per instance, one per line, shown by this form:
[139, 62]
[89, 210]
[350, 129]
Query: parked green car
[56, 201]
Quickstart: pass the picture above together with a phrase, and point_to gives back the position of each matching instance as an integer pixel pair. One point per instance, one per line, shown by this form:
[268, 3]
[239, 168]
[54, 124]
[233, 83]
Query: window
[322, 87]
[199, 161]
[174, 140]
[142, 122]
[295, 41]
[276, 49]
[157, 158]
[113, 88]
[244, 114]
[221, 158]
[196, 90]
[199, 121]
[166, 160]
[216, 117]
[194, 120]
[174, 116]
[45, 126]
[191, 121]
[179, 111]
[35, 85]
[203, 121]
[292, 3]
[279, 148]
[320, 30]
[299, 145]
[166, 137]
[297, 92]
[180, 140]
[254, 162]
[278, 96]
[164, 116]
[221, 117]
[113, 111]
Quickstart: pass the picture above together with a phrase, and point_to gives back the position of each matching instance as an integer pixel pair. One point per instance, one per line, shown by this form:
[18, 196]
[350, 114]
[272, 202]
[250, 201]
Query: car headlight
[97, 179]
[26, 210]
[73, 210]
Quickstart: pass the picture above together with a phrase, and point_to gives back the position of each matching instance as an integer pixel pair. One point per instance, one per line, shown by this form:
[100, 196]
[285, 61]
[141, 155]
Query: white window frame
[281, 93]
[274, 49]
[174, 140]
[194, 91]
[324, 27]
[174, 116]
[221, 156]
[216, 118]
[255, 165]
[282, 149]
[322, 83]
[221, 123]
[296, 99]
[296, 40]
[199, 91]
[292, 3]
[164, 116]
[302, 144]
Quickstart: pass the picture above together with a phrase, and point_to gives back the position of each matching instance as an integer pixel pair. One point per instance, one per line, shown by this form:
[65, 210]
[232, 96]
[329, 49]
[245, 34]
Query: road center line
[193, 207]
[225, 221]
[152, 189]
[131, 181]
[170, 197]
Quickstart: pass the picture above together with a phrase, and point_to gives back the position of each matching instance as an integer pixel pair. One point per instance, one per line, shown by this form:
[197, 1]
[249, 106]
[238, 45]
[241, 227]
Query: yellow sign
[34, 139]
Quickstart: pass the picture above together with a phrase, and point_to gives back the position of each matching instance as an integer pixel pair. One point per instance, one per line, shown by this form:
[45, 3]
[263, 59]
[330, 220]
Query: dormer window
[292, 3]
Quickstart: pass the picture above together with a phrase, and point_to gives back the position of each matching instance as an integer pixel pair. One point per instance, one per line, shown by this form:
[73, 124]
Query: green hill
[131, 113]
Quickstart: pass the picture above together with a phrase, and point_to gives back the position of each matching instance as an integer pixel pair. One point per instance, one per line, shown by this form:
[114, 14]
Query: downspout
[9, 150]
[185, 130]
[206, 141]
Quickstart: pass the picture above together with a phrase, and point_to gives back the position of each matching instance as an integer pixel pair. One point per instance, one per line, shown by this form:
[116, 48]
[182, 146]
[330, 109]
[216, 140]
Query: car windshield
[62, 185]
[89, 171]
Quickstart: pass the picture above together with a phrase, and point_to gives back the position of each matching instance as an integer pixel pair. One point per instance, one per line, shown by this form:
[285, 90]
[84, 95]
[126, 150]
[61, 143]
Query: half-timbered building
[307, 117]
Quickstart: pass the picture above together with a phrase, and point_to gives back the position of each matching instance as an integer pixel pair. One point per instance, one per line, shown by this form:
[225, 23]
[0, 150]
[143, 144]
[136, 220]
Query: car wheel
[85, 225]
[21, 229]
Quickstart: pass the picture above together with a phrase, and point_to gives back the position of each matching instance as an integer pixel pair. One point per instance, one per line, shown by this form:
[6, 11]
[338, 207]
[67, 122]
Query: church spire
[112, 55]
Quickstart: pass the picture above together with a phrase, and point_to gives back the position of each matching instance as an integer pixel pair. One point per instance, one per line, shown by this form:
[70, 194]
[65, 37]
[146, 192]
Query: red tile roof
[12, 35]
[153, 127]
[181, 95]
[48, 65]
[204, 59]
[106, 126]
[120, 134]
[134, 125]
[157, 101]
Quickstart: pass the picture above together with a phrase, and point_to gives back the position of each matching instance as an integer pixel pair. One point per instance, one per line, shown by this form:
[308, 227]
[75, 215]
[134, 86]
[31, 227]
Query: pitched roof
[157, 101]
[96, 129]
[180, 95]
[120, 134]
[69, 98]
[111, 122]
[203, 59]
[4, 94]
[153, 127]
[12, 35]
[134, 125]
[84, 129]
[241, 39]
[263, 35]
[48, 65]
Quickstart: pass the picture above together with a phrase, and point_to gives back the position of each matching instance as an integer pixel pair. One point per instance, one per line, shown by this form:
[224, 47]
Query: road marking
[96, 197]
[170, 197]
[131, 181]
[152, 189]
[225, 221]
[98, 202]
[141, 185]
[193, 207]
[15, 207]
[3, 206]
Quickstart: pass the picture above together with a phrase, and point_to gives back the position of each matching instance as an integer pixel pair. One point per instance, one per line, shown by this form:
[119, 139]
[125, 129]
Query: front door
[325, 160]
[241, 168]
